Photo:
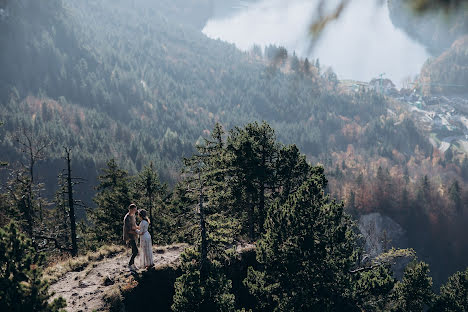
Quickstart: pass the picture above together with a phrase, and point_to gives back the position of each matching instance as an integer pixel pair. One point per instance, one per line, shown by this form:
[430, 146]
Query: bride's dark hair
[142, 213]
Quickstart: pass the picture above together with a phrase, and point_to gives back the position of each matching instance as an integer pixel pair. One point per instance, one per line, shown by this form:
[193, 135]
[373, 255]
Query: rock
[382, 233]
[107, 281]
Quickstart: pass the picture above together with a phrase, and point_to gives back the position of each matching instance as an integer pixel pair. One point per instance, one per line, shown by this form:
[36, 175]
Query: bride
[146, 247]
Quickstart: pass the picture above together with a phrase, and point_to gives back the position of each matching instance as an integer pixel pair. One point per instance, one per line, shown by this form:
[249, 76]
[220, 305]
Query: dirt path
[85, 290]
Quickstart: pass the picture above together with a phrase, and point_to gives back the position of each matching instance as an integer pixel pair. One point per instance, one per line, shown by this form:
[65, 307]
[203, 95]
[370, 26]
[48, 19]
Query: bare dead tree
[33, 149]
[67, 193]
[71, 202]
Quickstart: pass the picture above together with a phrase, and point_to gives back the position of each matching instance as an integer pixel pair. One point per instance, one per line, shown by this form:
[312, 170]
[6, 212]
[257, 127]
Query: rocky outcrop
[100, 286]
[381, 233]
[108, 284]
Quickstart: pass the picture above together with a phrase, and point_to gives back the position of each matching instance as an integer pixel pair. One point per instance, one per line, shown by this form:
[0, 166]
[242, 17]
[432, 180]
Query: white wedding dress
[146, 248]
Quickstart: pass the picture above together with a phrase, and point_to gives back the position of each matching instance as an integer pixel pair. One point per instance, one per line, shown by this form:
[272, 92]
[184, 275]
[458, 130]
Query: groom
[130, 234]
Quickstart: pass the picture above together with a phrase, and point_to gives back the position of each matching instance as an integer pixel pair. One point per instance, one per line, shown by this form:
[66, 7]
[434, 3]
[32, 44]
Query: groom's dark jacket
[128, 228]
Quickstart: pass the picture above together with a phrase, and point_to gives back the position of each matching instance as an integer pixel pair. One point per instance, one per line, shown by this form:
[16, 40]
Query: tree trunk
[251, 214]
[151, 216]
[71, 206]
[204, 252]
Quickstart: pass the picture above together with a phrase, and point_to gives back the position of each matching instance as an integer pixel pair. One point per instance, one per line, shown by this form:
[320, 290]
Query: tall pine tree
[254, 152]
[203, 286]
[21, 285]
[149, 193]
[112, 198]
[306, 253]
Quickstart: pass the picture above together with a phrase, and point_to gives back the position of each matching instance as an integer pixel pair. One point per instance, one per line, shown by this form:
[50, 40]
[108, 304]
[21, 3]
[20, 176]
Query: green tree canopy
[306, 253]
[21, 285]
[113, 198]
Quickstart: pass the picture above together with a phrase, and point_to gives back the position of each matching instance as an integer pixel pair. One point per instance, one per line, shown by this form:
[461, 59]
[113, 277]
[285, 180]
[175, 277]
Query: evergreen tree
[306, 253]
[455, 196]
[21, 285]
[454, 294]
[424, 191]
[414, 292]
[149, 193]
[253, 151]
[295, 65]
[291, 171]
[203, 286]
[372, 289]
[112, 198]
[351, 205]
[306, 66]
[195, 294]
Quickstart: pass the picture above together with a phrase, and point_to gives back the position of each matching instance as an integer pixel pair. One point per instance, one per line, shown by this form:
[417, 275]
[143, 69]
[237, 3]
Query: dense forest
[240, 186]
[104, 103]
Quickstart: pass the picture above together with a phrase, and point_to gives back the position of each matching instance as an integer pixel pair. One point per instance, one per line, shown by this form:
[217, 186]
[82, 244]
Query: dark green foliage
[455, 196]
[454, 294]
[291, 170]
[21, 284]
[203, 285]
[188, 291]
[246, 172]
[193, 293]
[21, 204]
[306, 253]
[414, 292]
[149, 194]
[371, 289]
[254, 153]
[113, 198]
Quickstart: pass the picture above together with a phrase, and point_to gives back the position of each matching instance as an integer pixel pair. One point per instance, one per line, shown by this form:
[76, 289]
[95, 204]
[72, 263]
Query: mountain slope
[144, 87]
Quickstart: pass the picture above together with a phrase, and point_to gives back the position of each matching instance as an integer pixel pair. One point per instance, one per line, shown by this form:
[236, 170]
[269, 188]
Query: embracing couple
[131, 231]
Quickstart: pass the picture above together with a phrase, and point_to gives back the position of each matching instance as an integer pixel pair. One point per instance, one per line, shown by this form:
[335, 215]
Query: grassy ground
[82, 263]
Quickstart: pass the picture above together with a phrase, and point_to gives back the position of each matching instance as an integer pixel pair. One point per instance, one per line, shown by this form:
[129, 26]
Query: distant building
[384, 85]
[355, 86]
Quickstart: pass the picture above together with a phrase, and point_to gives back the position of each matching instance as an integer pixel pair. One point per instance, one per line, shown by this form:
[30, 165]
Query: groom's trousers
[134, 251]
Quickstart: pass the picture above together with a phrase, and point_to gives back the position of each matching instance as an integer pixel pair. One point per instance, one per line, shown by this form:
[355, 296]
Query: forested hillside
[137, 82]
[135, 85]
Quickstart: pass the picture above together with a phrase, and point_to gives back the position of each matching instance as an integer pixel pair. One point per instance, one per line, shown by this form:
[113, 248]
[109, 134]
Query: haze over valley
[360, 45]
